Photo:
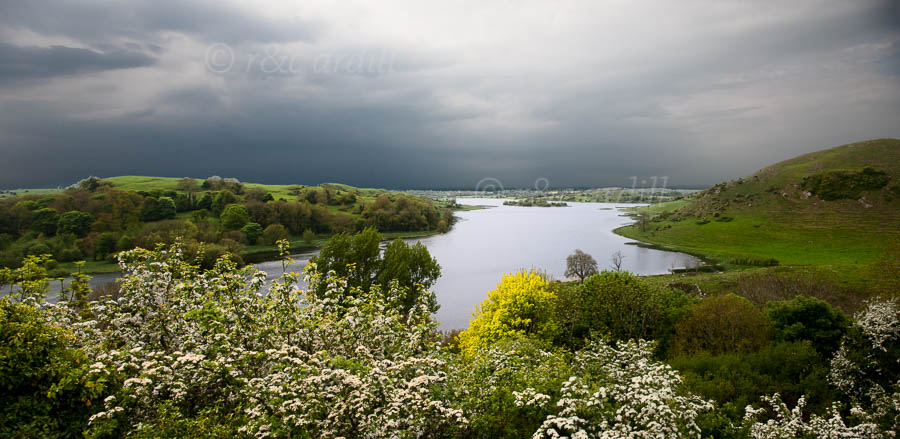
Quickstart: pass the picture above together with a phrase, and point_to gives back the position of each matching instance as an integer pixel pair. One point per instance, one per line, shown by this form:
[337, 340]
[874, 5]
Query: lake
[484, 244]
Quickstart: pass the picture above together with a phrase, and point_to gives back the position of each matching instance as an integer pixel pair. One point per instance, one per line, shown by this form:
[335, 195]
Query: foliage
[791, 423]
[520, 305]
[274, 233]
[155, 209]
[618, 304]
[808, 318]
[49, 386]
[580, 264]
[204, 350]
[253, 231]
[74, 223]
[126, 211]
[235, 216]
[726, 323]
[867, 365]
[401, 212]
[839, 185]
[753, 261]
[355, 257]
[737, 379]
[308, 236]
[45, 221]
[508, 388]
[621, 392]
[412, 267]
[359, 259]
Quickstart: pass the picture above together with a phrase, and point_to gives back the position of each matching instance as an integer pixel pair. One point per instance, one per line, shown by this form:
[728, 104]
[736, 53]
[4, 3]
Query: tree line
[94, 220]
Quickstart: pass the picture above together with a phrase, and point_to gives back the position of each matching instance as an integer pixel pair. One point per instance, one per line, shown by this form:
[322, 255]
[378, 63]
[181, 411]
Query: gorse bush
[521, 305]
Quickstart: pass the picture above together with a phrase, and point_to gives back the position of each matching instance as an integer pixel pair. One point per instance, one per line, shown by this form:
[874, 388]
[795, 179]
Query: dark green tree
[412, 266]
[75, 223]
[45, 221]
[808, 318]
[235, 216]
[220, 201]
[205, 201]
[155, 209]
[253, 231]
[360, 250]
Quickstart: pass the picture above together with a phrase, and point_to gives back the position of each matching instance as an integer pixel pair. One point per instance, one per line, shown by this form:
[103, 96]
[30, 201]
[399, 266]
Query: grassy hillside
[780, 212]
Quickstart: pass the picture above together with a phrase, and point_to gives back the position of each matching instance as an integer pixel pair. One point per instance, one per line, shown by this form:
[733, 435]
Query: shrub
[839, 185]
[521, 305]
[808, 318]
[736, 379]
[761, 287]
[71, 254]
[308, 236]
[754, 261]
[514, 379]
[720, 324]
[253, 231]
[273, 233]
[618, 304]
[865, 365]
[49, 388]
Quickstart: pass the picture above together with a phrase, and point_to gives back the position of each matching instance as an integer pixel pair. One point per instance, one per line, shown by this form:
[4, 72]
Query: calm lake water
[484, 244]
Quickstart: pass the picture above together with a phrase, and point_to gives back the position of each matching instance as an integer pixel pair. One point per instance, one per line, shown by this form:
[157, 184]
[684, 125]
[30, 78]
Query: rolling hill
[839, 207]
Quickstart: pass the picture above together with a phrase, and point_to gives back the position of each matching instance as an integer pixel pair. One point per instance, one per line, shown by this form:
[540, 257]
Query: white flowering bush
[785, 423]
[867, 365]
[621, 392]
[508, 388]
[208, 347]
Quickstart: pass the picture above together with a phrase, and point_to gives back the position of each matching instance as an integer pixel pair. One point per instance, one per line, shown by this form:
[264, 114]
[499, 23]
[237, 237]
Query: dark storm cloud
[20, 63]
[97, 22]
[579, 94]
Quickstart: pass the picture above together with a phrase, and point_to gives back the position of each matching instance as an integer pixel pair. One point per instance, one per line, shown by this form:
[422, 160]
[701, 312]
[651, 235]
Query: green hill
[838, 207]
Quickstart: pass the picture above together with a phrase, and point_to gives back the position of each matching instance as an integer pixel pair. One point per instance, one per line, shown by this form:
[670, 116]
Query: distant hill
[836, 206]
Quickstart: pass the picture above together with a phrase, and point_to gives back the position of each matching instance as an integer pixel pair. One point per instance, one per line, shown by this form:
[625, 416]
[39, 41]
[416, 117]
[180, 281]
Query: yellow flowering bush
[522, 304]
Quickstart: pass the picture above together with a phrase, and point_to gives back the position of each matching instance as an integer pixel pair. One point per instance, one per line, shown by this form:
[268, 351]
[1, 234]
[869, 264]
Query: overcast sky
[438, 94]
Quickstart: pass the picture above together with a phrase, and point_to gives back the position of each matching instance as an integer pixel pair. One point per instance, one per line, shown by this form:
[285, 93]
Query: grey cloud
[25, 63]
[97, 22]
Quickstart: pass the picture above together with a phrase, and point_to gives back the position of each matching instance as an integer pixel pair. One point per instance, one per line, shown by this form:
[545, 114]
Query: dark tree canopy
[412, 266]
[75, 223]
